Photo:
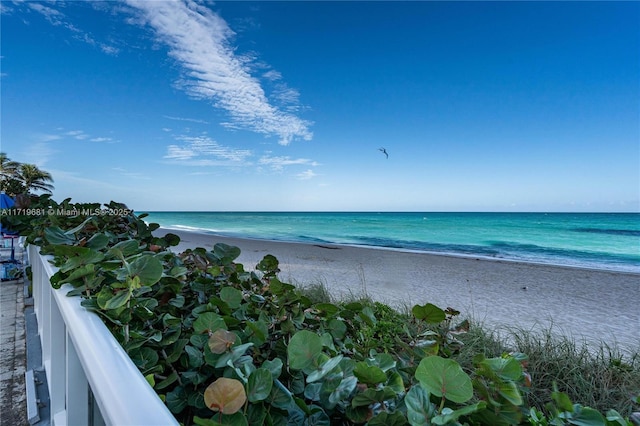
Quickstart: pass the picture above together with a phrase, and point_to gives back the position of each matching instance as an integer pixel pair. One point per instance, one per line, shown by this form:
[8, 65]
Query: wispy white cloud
[199, 40]
[133, 175]
[278, 163]
[101, 140]
[306, 175]
[40, 152]
[192, 120]
[57, 18]
[202, 150]
[77, 134]
[272, 75]
[5, 9]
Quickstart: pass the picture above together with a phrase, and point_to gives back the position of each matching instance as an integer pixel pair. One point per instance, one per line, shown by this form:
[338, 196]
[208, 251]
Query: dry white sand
[585, 304]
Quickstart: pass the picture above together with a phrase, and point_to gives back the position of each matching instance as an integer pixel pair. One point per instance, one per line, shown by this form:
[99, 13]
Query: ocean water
[609, 241]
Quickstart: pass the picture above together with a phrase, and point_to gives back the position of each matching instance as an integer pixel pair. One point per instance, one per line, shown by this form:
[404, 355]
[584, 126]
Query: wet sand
[585, 304]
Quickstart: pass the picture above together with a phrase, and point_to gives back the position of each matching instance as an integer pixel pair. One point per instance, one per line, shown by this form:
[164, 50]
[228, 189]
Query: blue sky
[189, 105]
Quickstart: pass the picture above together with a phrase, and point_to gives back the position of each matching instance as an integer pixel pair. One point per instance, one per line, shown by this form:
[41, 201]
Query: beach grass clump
[600, 376]
[225, 345]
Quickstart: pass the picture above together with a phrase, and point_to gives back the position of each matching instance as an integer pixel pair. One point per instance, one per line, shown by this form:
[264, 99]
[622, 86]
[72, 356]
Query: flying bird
[384, 151]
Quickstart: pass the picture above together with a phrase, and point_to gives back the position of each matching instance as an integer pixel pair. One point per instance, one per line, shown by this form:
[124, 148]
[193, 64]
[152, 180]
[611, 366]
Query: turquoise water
[594, 240]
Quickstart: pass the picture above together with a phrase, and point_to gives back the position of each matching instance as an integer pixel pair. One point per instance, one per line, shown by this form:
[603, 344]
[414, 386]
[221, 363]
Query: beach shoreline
[588, 305]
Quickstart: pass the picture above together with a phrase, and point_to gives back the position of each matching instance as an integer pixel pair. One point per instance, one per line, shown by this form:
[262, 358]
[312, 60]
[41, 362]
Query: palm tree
[8, 168]
[10, 181]
[35, 179]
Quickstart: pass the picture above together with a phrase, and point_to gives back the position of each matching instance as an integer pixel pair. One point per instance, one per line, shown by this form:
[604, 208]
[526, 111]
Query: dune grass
[602, 377]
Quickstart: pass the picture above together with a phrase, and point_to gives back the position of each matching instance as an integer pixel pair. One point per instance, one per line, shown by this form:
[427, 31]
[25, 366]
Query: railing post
[57, 372]
[77, 388]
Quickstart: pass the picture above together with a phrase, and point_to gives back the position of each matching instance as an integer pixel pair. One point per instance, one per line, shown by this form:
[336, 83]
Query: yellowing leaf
[221, 340]
[225, 395]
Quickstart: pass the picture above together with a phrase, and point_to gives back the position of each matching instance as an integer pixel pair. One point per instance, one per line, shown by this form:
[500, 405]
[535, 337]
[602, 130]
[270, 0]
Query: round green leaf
[208, 322]
[303, 349]
[324, 369]
[98, 241]
[259, 385]
[445, 378]
[337, 328]
[369, 374]
[420, 409]
[147, 268]
[430, 313]
[232, 296]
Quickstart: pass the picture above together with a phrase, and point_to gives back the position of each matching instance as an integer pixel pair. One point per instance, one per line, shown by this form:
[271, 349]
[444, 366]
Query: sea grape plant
[223, 345]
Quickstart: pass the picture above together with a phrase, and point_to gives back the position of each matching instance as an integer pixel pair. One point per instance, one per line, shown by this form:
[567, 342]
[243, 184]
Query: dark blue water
[594, 240]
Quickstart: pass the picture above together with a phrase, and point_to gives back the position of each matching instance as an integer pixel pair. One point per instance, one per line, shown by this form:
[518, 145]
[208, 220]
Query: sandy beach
[589, 305]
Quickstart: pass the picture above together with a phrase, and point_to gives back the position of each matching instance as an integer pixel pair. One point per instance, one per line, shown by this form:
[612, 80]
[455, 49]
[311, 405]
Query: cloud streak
[202, 150]
[199, 40]
[278, 163]
[58, 18]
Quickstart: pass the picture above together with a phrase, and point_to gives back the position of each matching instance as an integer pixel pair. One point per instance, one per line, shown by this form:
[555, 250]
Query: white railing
[84, 362]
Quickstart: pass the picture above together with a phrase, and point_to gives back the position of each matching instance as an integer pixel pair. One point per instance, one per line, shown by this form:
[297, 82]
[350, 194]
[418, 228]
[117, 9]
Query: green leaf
[124, 248]
[98, 241]
[318, 418]
[430, 313]
[232, 296]
[562, 400]
[395, 382]
[303, 349]
[195, 357]
[176, 400]
[444, 378]
[55, 235]
[388, 419]
[205, 422]
[226, 253]
[614, 418]
[510, 392]
[144, 358]
[344, 389]
[369, 374]
[505, 368]
[78, 228]
[371, 396]
[257, 332]
[171, 239]
[85, 258]
[368, 316]
[384, 361]
[585, 416]
[280, 397]
[327, 309]
[147, 268]
[420, 409]
[324, 369]
[108, 300]
[268, 264]
[449, 416]
[354, 306]
[208, 322]
[259, 385]
[274, 366]
[337, 328]
[166, 382]
[80, 272]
